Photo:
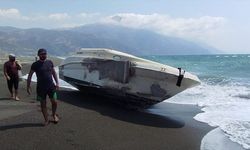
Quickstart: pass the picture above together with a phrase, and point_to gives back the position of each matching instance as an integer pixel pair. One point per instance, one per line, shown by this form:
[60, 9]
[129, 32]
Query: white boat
[134, 80]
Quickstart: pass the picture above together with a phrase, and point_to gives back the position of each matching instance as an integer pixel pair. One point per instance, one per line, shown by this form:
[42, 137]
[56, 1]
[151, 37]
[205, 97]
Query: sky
[223, 24]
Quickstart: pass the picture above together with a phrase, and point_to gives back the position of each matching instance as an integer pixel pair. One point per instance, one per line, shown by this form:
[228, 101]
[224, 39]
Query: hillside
[62, 42]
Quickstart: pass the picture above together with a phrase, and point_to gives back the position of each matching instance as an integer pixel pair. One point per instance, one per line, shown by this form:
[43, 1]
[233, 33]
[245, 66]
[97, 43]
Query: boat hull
[114, 95]
[123, 80]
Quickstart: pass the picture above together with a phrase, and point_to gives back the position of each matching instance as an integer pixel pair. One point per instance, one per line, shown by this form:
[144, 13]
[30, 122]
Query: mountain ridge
[61, 42]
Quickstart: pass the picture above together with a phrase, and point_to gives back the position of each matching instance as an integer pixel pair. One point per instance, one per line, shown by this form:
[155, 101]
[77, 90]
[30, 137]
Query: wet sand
[93, 122]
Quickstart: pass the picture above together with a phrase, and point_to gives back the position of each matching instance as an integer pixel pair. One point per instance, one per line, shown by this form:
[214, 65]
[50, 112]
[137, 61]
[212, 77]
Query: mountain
[64, 41]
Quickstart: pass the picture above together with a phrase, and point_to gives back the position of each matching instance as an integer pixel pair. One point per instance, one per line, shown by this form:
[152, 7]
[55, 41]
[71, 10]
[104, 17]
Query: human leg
[16, 83]
[44, 111]
[54, 107]
[53, 98]
[10, 87]
[41, 96]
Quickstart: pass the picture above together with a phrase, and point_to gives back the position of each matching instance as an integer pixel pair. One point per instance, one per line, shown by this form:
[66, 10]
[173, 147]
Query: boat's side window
[163, 69]
[79, 53]
[116, 57]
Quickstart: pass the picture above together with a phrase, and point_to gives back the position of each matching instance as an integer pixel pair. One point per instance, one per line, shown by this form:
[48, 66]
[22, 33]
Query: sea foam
[225, 106]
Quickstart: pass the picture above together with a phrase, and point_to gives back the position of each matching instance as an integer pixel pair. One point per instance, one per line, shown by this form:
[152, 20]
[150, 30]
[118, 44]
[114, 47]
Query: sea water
[224, 93]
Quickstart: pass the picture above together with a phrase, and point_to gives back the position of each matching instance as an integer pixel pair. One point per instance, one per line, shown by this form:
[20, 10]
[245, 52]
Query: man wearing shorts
[11, 68]
[44, 70]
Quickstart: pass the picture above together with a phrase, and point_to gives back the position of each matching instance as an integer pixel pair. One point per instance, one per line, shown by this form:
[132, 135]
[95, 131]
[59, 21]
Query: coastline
[92, 122]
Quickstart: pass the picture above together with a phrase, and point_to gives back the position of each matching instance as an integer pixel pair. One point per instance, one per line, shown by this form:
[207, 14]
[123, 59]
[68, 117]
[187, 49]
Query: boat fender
[180, 77]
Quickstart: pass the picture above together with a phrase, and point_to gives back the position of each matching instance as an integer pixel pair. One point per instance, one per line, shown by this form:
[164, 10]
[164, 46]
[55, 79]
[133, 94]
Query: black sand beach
[91, 122]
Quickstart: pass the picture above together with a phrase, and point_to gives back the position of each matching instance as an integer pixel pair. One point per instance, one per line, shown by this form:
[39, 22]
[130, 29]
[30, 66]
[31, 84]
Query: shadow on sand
[5, 98]
[107, 107]
[21, 125]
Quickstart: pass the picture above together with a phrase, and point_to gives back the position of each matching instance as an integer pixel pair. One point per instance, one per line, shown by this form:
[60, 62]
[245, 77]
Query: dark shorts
[13, 82]
[42, 94]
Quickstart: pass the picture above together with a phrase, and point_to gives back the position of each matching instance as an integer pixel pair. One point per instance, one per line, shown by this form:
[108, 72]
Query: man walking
[11, 68]
[44, 70]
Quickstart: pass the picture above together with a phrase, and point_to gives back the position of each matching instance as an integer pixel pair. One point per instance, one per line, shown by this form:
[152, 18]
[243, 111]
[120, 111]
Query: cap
[41, 51]
[12, 55]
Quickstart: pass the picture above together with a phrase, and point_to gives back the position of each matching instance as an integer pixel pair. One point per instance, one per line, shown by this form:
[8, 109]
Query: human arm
[5, 72]
[54, 74]
[19, 66]
[29, 81]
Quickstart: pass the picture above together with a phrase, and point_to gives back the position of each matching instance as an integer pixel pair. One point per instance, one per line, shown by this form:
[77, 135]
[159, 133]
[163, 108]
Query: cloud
[59, 16]
[202, 28]
[12, 13]
[88, 15]
[163, 24]
[13, 17]
[9, 12]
